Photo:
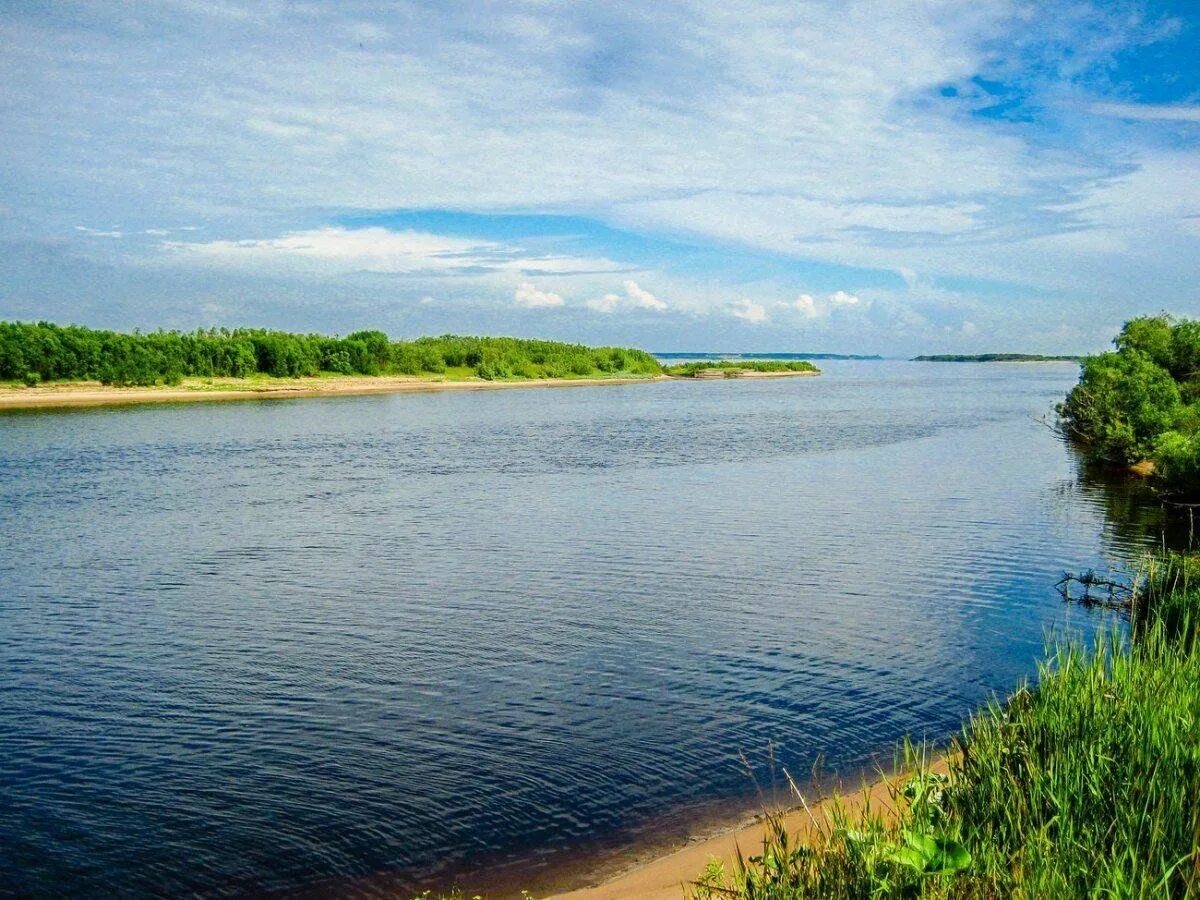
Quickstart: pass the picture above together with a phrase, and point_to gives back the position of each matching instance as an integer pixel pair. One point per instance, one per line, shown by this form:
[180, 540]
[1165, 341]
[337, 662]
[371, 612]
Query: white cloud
[970, 329]
[381, 250]
[606, 304]
[642, 299]
[529, 297]
[95, 232]
[635, 297]
[806, 305]
[756, 126]
[810, 307]
[749, 311]
[1148, 112]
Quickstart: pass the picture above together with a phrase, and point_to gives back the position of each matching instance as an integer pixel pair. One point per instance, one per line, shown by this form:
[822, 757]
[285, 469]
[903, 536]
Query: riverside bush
[1142, 402]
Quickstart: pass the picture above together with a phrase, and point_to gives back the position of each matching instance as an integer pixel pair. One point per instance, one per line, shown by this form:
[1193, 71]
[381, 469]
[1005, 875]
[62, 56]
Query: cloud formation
[1007, 149]
[527, 296]
[634, 298]
[748, 311]
[1149, 112]
[381, 250]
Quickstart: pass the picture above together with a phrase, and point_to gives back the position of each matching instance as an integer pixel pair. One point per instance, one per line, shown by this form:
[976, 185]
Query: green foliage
[1177, 457]
[1122, 403]
[927, 854]
[733, 368]
[54, 352]
[1143, 401]
[1084, 785]
[31, 379]
[868, 856]
[1150, 336]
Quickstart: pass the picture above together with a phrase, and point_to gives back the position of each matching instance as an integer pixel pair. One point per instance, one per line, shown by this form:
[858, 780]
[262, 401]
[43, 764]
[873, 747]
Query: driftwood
[1095, 590]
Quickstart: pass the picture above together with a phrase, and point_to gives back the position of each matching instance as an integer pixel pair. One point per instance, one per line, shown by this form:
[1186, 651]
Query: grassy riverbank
[1084, 783]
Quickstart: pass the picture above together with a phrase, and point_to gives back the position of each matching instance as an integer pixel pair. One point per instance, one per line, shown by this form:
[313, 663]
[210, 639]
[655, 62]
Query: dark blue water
[364, 644]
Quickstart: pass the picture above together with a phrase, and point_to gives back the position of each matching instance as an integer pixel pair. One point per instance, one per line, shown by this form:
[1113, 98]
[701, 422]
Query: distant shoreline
[994, 357]
[67, 395]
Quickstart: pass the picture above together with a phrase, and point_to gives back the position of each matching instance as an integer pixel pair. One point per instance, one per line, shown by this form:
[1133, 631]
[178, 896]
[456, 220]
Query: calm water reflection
[264, 646]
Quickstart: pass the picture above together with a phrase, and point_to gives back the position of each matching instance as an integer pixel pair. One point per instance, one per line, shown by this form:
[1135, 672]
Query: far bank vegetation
[733, 368]
[32, 353]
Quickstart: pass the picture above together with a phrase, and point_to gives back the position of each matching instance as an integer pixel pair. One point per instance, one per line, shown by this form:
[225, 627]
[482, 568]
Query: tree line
[44, 351]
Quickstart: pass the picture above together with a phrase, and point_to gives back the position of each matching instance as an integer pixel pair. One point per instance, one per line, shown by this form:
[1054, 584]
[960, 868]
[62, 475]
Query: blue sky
[892, 176]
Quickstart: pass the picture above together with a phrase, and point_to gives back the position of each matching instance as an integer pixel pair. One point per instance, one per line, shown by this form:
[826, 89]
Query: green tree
[1122, 403]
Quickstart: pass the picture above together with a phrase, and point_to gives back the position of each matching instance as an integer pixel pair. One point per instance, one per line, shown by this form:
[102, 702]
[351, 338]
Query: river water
[360, 645]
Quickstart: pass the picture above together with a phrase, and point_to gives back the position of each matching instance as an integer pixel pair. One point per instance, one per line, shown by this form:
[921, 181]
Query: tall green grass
[1085, 783]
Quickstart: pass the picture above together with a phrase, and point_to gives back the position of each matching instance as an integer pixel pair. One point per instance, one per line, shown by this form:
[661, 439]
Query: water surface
[371, 643]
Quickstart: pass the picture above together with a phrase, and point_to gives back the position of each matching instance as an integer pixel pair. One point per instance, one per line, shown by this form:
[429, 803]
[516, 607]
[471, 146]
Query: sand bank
[191, 390]
[69, 394]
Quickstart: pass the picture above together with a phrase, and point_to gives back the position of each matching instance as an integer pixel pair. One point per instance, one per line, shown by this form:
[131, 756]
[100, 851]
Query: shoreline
[89, 394]
[662, 871]
[66, 395]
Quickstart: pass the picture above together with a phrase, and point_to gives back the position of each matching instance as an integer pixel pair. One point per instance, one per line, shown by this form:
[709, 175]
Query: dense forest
[1142, 401]
[36, 352]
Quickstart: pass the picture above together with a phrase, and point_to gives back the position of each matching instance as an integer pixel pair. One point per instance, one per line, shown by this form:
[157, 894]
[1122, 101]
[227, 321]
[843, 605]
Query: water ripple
[354, 646]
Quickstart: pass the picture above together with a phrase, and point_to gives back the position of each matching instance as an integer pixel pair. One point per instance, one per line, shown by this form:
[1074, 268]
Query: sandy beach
[666, 877]
[69, 394]
[192, 390]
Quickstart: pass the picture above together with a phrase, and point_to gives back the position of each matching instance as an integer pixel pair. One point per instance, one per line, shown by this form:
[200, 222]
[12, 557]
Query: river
[360, 645]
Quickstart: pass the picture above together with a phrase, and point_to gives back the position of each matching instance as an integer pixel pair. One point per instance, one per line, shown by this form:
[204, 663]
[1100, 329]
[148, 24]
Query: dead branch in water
[1096, 590]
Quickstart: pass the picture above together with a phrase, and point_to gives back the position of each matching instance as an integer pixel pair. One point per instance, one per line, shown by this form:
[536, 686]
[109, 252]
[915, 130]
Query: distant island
[741, 368]
[994, 357]
[766, 356]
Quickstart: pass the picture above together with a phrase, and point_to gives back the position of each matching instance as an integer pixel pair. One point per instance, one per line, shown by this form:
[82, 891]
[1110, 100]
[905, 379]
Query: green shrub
[1142, 402]
[1152, 336]
[1177, 457]
[31, 379]
[1122, 403]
